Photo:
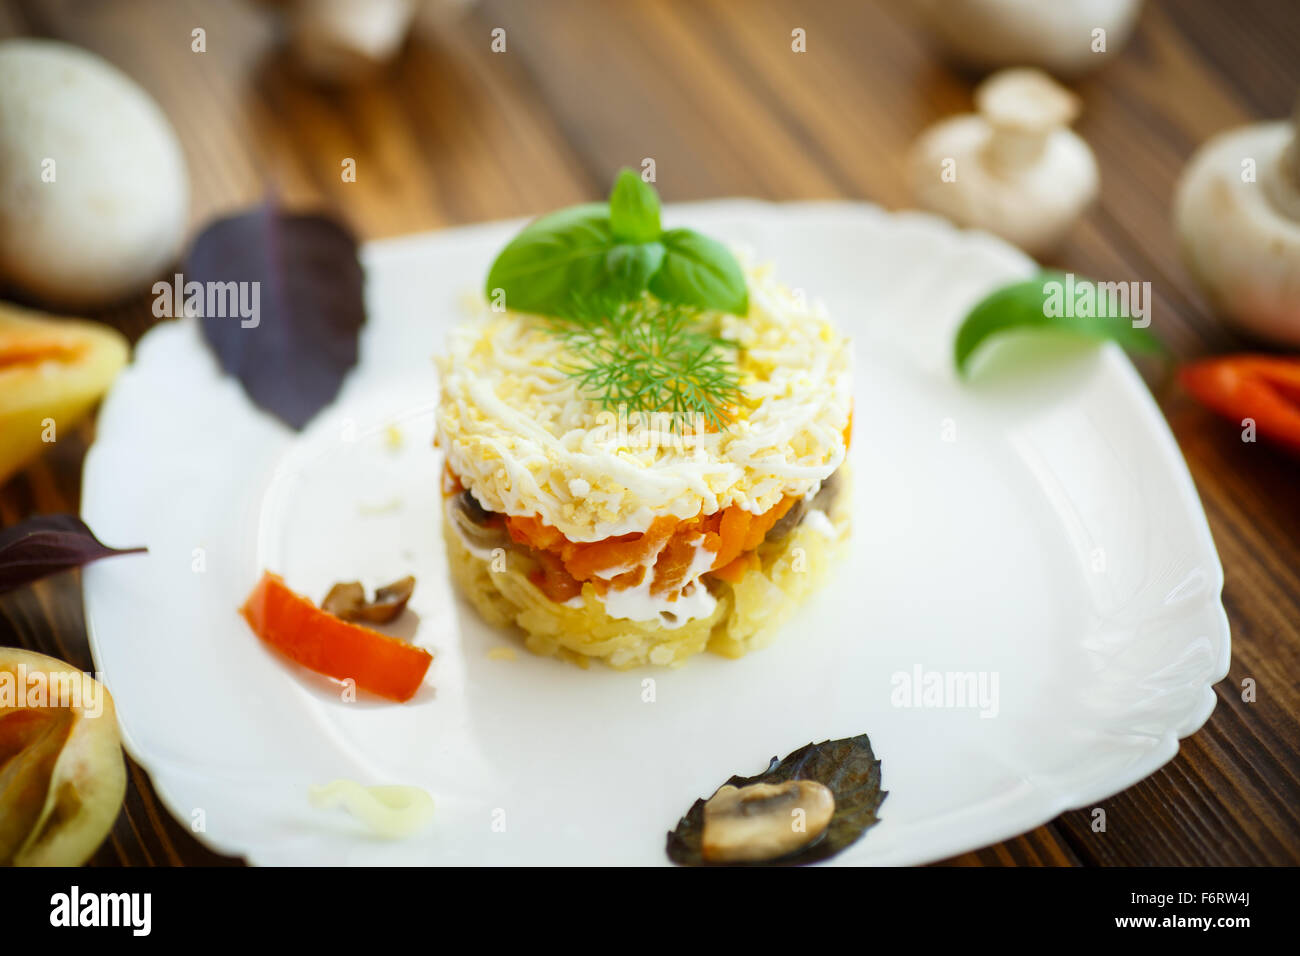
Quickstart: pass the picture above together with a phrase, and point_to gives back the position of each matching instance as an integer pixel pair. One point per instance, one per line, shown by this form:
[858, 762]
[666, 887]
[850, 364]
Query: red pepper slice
[1263, 388]
[332, 646]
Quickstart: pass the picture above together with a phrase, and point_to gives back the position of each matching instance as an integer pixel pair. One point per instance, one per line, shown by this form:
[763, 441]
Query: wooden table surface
[712, 91]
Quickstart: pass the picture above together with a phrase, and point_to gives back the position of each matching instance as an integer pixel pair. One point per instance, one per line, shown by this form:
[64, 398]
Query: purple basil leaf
[292, 355]
[47, 544]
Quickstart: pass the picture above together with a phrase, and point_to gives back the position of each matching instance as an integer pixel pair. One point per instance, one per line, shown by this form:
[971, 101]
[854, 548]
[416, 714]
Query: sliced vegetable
[481, 528]
[847, 768]
[328, 645]
[1262, 388]
[764, 821]
[729, 533]
[735, 571]
[732, 533]
[62, 777]
[347, 600]
[674, 562]
[52, 371]
[620, 553]
[1039, 303]
[552, 578]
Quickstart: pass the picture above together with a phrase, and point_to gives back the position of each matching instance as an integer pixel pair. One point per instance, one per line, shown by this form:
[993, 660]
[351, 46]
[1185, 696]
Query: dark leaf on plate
[47, 544]
[848, 767]
[302, 273]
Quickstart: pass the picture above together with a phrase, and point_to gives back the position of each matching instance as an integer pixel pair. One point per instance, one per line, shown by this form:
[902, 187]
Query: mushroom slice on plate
[347, 600]
[765, 821]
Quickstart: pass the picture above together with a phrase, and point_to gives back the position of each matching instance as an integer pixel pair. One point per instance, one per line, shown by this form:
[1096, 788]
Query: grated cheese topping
[525, 441]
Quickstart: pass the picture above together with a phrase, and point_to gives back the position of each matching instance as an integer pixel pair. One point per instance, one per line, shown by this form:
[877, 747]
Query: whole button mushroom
[1013, 168]
[1237, 215]
[93, 189]
[1058, 35]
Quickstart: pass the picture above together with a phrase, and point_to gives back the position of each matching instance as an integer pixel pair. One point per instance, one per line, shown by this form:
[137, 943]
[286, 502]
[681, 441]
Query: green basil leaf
[700, 271]
[634, 209]
[553, 258]
[1055, 301]
[629, 267]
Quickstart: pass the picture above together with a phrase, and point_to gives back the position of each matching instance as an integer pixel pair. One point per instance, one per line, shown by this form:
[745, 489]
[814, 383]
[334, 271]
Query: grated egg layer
[522, 437]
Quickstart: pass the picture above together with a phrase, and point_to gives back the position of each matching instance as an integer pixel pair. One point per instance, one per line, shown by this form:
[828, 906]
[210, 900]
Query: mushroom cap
[1054, 34]
[1026, 99]
[1236, 242]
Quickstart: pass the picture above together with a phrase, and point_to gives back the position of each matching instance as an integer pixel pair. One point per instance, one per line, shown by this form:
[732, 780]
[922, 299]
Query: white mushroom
[348, 39]
[1013, 168]
[764, 821]
[94, 196]
[344, 41]
[1059, 35]
[1237, 215]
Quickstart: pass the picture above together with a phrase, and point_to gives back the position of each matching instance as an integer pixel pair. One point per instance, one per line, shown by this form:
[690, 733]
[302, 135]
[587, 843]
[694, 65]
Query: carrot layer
[564, 564]
[328, 645]
[737, 569]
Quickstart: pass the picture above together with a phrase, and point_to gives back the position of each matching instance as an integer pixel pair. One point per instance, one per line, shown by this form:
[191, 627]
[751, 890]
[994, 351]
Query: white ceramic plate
[1038, 526]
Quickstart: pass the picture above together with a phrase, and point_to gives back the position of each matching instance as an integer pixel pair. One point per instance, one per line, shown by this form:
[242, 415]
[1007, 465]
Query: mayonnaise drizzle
[671, 610]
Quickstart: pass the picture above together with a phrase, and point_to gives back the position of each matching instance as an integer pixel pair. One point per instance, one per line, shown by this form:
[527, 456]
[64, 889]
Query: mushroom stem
[1282, 182]
[1009, 150]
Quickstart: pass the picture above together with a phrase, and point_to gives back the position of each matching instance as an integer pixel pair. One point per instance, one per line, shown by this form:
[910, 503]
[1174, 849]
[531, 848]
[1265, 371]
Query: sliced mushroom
[788, 521]
[344, 598]
[480, 528]
[764, 821]
[347, 600]
[824, 500]
[474, 511]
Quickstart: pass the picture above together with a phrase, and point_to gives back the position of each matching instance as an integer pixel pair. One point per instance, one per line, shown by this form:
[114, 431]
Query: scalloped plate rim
[166, 777]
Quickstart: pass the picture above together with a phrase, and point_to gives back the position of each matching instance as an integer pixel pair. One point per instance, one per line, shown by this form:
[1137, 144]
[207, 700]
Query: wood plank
[713, 92]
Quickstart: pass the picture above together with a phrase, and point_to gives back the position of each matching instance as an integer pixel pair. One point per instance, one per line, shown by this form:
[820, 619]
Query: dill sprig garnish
[651, 356]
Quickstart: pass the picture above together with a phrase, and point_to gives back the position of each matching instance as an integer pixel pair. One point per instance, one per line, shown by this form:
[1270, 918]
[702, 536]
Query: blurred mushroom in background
[1014, 168]
[1066, 37]
[94, 191]
[1237, 215]
[347, 41]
